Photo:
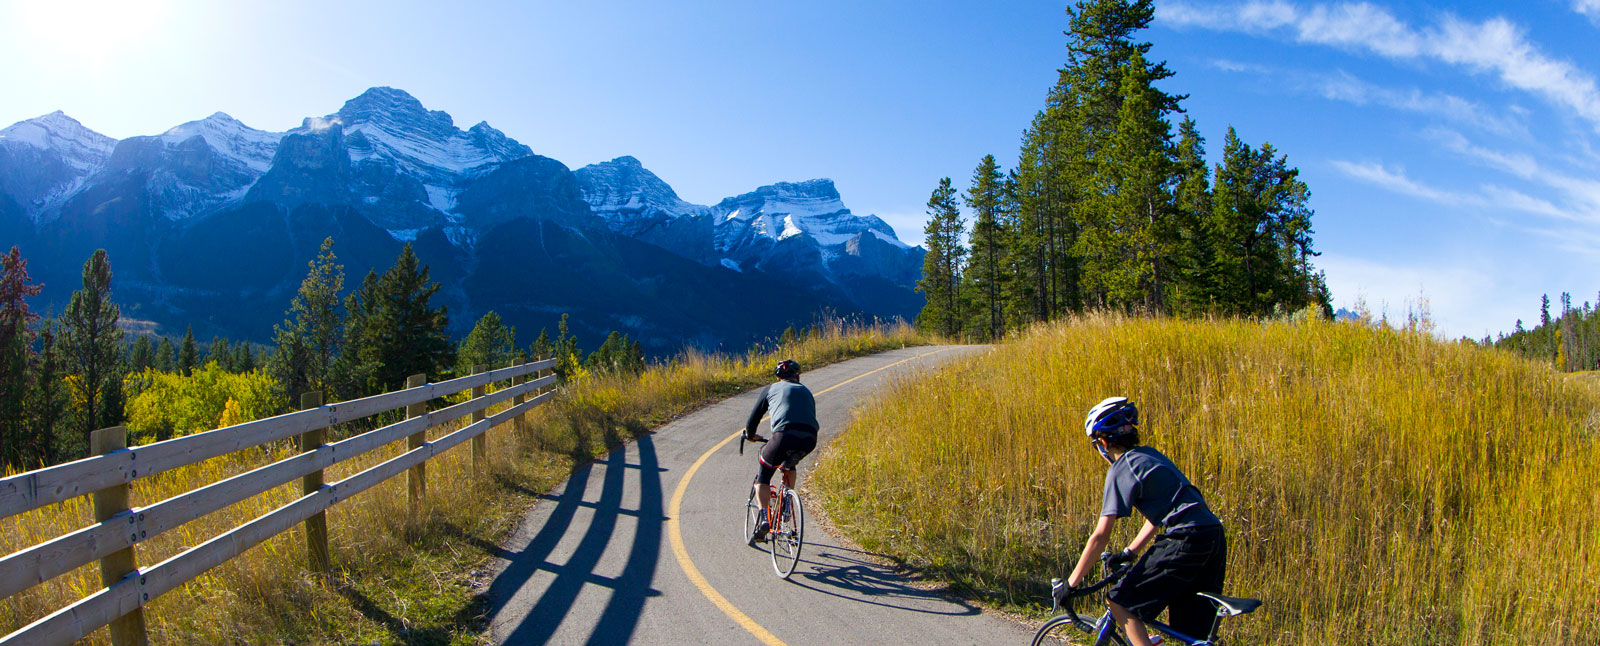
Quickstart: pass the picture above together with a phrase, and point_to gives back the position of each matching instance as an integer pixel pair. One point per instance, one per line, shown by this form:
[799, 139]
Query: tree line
[1109, 208]
[1568, 340]
[62, 378]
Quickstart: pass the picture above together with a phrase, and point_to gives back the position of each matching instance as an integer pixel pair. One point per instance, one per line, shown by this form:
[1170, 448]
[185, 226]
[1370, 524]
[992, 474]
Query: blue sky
[1451, 149]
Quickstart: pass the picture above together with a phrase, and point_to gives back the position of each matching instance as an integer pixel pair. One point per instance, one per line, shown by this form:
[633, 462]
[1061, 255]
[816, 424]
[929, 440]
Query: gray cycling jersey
[790, 403]
[1146, 480]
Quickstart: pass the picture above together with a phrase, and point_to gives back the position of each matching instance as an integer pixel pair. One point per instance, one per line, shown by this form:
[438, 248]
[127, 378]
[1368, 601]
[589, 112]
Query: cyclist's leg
[1193, 615]
[1132, 627]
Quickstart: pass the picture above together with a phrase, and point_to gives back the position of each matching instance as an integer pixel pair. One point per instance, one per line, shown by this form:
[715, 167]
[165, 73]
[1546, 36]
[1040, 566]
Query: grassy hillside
[1378, 486]
[398, 581]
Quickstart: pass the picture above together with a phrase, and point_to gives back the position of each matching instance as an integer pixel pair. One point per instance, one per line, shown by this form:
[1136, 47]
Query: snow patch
[789, 229]
[732, 264]
[405, 235]
[441, 198]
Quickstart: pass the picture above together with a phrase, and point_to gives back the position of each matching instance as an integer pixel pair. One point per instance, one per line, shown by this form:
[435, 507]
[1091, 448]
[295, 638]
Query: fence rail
[118, 532]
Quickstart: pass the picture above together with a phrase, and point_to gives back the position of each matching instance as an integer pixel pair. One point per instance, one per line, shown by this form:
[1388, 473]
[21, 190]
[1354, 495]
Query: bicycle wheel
[789, 535]
[1064, 629]
[752, 512]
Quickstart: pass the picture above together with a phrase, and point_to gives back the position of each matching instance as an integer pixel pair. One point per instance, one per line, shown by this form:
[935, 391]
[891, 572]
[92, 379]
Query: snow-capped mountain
[802, 229]
[211, 223]
[46, 159]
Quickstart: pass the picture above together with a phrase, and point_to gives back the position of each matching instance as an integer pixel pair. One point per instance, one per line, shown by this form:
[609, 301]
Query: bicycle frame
[1108, 625]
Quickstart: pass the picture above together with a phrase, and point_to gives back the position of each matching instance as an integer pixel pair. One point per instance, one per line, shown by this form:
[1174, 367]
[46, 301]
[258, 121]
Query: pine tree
[1192, 249]
[941, 266]
[142, 356]
[244, 358]
[356, 369]
[984, 273]
[567, 355]
[188, 355]
[166, 356]
[46, 440]
[411, 336]
[16, 353]
[608, 356]
[312, 333]
[92, 342]
[490, 343]
[542, 348]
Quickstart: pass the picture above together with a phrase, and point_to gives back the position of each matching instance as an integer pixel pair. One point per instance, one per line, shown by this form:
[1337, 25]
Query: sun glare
[90, 33]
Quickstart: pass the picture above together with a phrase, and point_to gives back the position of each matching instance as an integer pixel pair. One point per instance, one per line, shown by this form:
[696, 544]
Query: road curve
[595, 562]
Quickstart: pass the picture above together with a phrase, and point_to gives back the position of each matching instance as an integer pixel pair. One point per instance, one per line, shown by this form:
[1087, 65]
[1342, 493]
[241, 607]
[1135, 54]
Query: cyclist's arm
[1146, 534]
[1092, 549]
[756, 414]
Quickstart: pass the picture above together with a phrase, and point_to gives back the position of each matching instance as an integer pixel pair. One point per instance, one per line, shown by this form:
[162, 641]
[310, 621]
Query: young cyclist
[794, 433]
[1189, 556]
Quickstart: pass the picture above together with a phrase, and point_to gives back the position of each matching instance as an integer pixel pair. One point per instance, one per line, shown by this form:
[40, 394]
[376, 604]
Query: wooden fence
[118, 528]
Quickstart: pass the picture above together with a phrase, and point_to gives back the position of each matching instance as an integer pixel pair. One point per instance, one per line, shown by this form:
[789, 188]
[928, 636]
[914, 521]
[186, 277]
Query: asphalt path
[605, 560]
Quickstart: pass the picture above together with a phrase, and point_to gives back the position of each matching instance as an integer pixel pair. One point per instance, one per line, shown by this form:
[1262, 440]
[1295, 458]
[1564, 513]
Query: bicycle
[1104, 629]
[786, 522]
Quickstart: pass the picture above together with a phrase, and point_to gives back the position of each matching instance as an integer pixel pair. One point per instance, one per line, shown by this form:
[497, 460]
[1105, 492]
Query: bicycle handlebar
[1063, 603]
[742, 439]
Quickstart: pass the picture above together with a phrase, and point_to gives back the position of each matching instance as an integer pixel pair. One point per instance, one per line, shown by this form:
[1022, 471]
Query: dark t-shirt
[790, 403]
[1146, 480]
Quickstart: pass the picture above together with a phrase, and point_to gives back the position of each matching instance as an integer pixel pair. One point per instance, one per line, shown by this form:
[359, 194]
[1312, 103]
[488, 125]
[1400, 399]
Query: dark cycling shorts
[1179, 564]
[786, 449]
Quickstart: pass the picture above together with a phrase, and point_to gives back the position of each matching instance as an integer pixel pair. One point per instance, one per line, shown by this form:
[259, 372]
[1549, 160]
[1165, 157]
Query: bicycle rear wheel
[752, 512]
[789, 535]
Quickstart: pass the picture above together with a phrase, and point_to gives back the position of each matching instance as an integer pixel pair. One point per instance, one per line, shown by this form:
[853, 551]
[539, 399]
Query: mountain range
[212, 223]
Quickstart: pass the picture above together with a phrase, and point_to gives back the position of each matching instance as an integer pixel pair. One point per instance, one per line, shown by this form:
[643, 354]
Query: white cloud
[1590, 8]
[1348, 88]
[1581, 196]
[1463, 297]
[1495, 46]
[1487, 197]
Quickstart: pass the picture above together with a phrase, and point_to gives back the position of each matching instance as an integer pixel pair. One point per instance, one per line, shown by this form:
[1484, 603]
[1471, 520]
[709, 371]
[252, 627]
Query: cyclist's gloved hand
[1121, 558]
[1060, 590]
[753, 437]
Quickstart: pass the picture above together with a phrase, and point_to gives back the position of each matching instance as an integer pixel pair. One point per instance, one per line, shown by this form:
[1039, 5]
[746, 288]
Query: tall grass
[1378, 486]
[398, 579]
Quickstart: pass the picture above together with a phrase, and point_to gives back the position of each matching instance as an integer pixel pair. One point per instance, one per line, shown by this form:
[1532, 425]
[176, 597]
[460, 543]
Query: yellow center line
[682, 552]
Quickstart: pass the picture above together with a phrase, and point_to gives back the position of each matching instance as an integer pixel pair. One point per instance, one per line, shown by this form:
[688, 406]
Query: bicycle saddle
[1230, 606]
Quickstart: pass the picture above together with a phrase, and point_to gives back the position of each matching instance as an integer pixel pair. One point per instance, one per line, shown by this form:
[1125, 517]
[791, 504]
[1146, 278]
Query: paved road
[597, 563]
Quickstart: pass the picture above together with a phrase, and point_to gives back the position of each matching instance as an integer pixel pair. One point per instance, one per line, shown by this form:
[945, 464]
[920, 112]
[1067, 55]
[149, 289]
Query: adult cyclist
[794, 433]
[1190, 556]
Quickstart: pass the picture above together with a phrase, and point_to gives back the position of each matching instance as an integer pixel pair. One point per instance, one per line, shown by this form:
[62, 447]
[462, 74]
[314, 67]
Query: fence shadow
[628, 591]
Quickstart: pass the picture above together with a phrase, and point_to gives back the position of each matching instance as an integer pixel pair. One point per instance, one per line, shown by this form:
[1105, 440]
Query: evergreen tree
[1192, 250]
[46, 439]
[16, 354]
[213, 354]
[309, 339]
[407, 333]
[490, 343]
[567, 355]
[188, 355]
[984, 273]
[244, 359]
[142, 356]
[608, 356]
[941, 266]
[356, 368]
[166, 356]
[92, 342]
[542, 348]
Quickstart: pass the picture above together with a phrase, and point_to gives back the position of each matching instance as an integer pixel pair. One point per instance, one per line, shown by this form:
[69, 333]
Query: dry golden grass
[398, 580]
[1378, 486]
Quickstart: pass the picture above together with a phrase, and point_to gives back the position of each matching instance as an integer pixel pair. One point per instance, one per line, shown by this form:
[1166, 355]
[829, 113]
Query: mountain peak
[392, 105]
[57, 131]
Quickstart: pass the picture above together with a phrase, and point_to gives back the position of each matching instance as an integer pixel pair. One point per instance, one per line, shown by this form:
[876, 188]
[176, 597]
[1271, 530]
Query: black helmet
[787, 369]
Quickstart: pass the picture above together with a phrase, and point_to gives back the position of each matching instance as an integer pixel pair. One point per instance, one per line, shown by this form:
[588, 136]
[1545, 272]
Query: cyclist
[794, 432]
[1189, 556]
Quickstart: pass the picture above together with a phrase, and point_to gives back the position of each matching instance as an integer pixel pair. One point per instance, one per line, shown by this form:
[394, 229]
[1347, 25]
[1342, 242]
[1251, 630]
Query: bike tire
[1066, 629]
[752, 511]
[789, 536]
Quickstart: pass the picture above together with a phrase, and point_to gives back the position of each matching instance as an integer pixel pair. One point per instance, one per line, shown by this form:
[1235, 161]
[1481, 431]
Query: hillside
[1378, 486]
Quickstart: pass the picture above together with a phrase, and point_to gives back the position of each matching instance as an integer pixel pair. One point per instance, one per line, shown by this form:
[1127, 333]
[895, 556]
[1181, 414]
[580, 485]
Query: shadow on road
[620, 617]
[848, 573]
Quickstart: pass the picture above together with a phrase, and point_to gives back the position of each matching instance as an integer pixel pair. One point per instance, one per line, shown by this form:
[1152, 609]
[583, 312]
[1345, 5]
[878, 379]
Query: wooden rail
[118, 529]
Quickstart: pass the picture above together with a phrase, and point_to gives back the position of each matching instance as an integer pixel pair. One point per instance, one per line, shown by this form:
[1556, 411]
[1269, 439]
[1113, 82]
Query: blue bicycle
[1104, 629]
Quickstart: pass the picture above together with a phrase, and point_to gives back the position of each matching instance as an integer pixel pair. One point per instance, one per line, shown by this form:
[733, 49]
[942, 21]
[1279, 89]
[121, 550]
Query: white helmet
[1112, 417]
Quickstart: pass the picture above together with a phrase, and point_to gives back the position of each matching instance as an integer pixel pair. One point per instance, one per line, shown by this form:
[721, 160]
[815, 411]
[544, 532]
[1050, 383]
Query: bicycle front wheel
[752, 512]
[789, 535]
[1067, 629]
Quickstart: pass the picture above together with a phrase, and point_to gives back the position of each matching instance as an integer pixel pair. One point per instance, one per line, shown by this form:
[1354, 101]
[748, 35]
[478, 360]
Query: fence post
[417, 478]
[480, 442]
[317, 525]
[517, 381]
[127, 630]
